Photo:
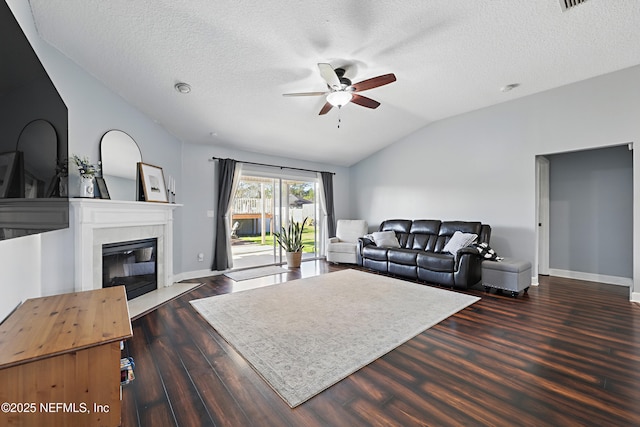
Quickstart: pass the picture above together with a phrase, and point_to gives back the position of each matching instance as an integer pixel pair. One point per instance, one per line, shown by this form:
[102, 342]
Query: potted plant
[290, 239]
[87, 172]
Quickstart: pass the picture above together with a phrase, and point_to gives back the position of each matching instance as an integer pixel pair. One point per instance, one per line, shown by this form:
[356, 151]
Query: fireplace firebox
[132, 264]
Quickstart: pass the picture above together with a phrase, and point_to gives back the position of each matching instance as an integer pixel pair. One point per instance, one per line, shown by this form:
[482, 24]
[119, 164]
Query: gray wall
[481, 165]
[199, 193]
[591, 211]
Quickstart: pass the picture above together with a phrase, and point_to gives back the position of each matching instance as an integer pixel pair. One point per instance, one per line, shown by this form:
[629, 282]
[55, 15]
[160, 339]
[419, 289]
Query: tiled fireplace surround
[96, 222]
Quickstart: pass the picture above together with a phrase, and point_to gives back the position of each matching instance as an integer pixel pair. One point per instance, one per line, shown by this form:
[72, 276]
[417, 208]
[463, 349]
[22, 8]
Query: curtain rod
[275, 166]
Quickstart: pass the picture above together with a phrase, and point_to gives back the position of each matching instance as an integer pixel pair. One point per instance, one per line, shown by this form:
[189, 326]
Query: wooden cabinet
[60, 360]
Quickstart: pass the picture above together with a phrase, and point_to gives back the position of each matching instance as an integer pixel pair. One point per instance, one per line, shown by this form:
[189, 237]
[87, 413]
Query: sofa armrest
[467, 250]
[465, 255]
[468, 268]
[362, 242]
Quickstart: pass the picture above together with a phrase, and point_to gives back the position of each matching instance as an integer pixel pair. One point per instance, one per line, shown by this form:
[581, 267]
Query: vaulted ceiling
[240, 56]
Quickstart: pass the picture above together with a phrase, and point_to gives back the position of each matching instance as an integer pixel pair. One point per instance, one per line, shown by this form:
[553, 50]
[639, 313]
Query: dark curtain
[221, 247]
[327, 185]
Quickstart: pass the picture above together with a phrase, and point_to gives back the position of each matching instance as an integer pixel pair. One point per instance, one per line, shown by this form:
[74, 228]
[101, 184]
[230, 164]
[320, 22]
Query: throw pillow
[386, 239]
[486, 252]
[458, 241]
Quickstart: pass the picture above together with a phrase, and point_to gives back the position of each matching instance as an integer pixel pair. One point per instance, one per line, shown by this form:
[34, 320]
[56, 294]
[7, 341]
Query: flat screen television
[33, 139]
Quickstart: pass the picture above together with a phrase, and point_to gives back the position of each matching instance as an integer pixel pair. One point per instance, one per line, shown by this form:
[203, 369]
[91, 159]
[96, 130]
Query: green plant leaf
[290, 238]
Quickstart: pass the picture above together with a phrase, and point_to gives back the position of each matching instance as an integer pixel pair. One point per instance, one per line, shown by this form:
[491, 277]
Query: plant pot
[294, 259]
[86, 187]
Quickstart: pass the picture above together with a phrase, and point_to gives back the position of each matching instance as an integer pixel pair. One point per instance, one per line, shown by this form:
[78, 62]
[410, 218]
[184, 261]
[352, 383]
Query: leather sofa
[421, 254]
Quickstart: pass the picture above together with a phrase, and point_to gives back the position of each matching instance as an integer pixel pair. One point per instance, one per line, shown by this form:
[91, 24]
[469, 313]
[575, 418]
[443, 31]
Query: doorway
[584, 214]
[262, 204]
[542, 215]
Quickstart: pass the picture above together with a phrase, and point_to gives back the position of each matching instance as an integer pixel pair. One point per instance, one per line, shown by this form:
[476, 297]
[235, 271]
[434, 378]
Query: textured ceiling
[240, 56]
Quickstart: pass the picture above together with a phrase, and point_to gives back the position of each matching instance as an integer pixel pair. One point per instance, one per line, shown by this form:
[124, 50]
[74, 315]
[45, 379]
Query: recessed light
[182, 87]
[507, 88]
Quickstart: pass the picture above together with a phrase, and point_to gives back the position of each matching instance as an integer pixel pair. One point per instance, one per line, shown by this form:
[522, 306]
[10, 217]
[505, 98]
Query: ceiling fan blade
[382, 80]
[305, 94]
[329, 75]
[325, 109]
[364, 101]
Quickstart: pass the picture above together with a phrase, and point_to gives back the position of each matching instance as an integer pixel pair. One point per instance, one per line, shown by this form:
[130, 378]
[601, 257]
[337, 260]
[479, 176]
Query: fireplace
[133, 264]
[97, 222]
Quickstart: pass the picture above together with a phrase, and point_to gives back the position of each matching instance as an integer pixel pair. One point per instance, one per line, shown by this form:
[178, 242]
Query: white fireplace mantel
[96, 222]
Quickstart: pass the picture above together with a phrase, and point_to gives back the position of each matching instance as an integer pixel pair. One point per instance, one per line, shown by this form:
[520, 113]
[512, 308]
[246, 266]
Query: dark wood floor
[566, 354]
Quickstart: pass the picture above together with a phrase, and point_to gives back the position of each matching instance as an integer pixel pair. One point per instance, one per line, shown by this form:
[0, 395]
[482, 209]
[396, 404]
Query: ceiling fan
[342, 91]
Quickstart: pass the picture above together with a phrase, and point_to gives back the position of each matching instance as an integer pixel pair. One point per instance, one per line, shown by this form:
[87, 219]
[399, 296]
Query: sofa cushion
[410, 271]
[397, 225]
[375, 253]
[342, 247]
[349, 230]
[425, 226]
[448, 228]
[436, 262]
[375, 265]
[402, 228]
[419, 242]
[402, 256]
[386, 239]
[458, 241]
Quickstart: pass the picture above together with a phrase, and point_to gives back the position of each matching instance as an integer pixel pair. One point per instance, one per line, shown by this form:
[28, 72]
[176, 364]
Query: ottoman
[509, 275]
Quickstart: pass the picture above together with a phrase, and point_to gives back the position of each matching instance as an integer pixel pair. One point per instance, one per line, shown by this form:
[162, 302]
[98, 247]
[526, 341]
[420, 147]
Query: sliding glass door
[300, 205]
[252, 216]
[263, 203]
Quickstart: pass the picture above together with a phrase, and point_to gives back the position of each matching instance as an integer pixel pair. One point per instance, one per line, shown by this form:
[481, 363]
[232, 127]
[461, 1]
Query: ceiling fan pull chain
[339, 119]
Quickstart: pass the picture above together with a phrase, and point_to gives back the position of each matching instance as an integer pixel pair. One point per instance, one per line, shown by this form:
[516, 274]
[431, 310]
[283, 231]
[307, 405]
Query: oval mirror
[38, 145]
[120, 154]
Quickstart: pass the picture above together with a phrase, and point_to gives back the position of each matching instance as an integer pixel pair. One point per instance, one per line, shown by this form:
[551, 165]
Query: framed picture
[8, 168]
[152, 182]
[32, 186]
[102, 188]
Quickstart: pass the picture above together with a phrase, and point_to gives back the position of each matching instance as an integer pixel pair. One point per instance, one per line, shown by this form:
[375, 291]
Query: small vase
[86, 187]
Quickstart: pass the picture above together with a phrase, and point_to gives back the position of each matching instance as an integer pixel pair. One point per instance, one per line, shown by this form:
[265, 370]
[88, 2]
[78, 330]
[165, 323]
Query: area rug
[252, 273]
[305, 335]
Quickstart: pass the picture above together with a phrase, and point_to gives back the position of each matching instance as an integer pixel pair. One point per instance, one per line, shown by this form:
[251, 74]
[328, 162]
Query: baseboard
[590, 277]
[635, 296]
[188, 275]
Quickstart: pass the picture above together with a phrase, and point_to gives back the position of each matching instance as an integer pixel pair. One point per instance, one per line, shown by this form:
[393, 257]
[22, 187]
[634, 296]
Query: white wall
[43, 264]
[22, 281]
[199, 196]
[481, 165]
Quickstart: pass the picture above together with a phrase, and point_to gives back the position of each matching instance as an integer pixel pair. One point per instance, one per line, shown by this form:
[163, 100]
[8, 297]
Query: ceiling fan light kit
[341, 91]
[339, 98]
